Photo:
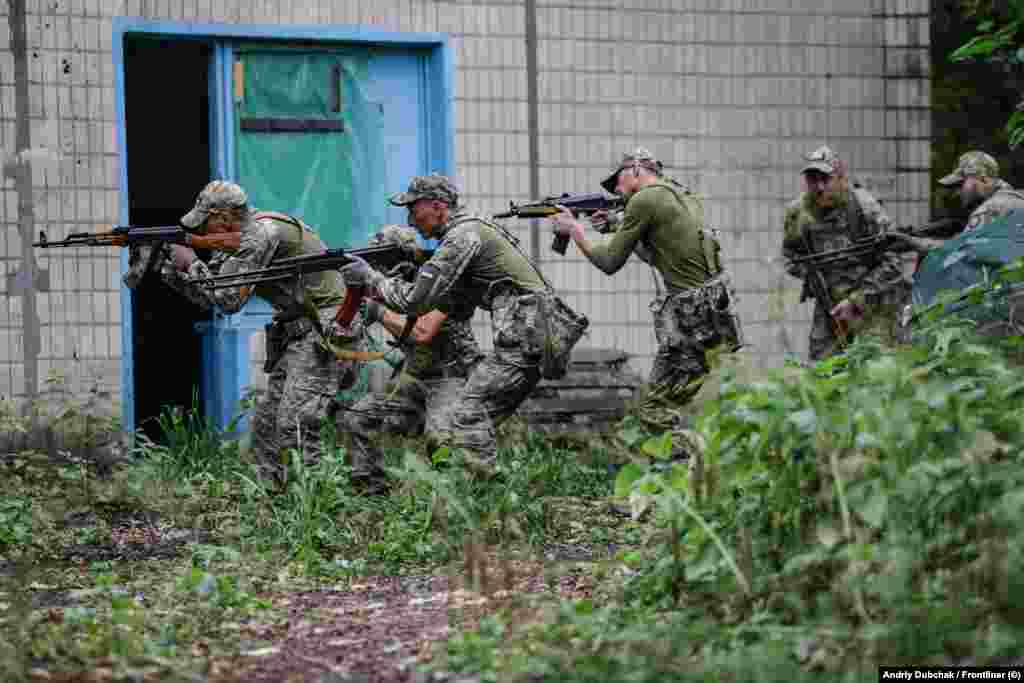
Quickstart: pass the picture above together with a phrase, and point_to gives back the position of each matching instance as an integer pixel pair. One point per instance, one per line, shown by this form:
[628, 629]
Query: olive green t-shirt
[671, 230]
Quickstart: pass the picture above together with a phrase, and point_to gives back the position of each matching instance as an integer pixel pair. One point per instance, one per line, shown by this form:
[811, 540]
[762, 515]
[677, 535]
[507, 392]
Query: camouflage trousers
[301, 392]
[494, 390]
[880, 319]
[411, 406]
[693, 328]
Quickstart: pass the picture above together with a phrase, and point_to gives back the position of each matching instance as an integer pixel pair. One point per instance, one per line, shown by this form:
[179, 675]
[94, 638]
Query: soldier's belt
[710, 292]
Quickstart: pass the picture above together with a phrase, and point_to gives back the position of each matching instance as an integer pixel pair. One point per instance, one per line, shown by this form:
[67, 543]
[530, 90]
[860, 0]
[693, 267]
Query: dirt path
[379, 629]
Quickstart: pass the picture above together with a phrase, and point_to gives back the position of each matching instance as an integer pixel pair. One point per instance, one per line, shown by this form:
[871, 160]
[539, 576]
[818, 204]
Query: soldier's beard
[971, 199]
[830, 199]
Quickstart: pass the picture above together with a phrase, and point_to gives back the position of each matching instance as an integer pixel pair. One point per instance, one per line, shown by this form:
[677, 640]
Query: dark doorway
[167, 113]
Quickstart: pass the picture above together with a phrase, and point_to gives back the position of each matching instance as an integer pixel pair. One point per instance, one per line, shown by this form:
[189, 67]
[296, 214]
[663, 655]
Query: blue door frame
[226, 342]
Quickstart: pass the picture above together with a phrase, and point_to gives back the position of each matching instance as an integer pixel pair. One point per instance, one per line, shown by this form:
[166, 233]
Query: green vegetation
[863, 511]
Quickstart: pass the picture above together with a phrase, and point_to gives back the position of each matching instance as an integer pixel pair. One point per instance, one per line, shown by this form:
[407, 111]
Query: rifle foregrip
[560, 243]
[350, 306]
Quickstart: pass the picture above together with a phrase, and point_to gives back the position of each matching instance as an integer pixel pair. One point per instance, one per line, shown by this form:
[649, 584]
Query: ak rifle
[870, 249]
[578, 204]
[865, 251]
[383, 258]
[129, 236]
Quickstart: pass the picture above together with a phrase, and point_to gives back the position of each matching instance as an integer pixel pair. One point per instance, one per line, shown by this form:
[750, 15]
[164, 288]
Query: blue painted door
[326, 135]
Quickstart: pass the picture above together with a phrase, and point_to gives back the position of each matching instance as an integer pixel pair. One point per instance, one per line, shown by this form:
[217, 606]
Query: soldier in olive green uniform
[663, 222]
[435, 367]
[831, 215]
[305, 375]
[478, 265]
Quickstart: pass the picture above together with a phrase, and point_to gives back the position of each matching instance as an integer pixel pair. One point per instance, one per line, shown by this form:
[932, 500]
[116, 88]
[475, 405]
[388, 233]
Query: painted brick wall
[729, 93]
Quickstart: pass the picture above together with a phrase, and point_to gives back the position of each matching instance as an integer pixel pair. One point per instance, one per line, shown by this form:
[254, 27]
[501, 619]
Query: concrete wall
[728, 93]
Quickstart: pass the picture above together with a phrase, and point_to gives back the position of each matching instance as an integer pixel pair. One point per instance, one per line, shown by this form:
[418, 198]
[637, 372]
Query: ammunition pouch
[280, 334]
[544, 329]
[702, 316]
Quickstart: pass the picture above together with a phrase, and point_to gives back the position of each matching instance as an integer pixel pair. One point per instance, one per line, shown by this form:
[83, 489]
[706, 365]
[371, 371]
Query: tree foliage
[997, 39]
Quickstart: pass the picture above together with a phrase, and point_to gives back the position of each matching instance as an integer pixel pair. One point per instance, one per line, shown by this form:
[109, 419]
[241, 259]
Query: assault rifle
[383, 258]
[579, 204]
[870, 249]
[865, 251]
[127, 236]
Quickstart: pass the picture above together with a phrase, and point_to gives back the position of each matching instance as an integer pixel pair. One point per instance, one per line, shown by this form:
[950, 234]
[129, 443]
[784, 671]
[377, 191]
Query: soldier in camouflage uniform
[305, 375]
[435, 367]
[479, 265]
[828, 215]
[976, 177]
[663, 223]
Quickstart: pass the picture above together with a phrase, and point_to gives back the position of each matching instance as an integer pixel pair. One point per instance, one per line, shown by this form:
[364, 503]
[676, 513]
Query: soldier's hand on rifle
[358, 273]
[564, 223]
[182, 256]
[599, 219]
[919, 244]
[847, 311]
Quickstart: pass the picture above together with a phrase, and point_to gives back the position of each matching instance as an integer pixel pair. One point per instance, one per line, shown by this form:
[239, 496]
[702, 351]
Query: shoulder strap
[513, 240]
[708, 247]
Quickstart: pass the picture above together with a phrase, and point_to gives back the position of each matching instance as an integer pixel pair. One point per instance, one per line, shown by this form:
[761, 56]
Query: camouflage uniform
[1003, 197]
[478, 265]
[882, 289]
[304, 376]
[420, 400]
[663, 223]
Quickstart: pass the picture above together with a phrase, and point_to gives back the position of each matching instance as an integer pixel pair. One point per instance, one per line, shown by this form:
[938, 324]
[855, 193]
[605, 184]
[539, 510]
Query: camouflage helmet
[973, 163]
[823, 160]
[217, 195]
[639, 157]
[433, 186]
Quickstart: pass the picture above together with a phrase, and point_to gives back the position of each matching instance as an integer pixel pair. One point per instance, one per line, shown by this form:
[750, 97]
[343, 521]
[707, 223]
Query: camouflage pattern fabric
[473, 260]
[875, 287]
[693, 329]
[479, 266]
[973, 163]
[1002, 200]
[302, 391]
[264, 238]
[434, 186]
[303, 383]
[494, 390]
[418, 402]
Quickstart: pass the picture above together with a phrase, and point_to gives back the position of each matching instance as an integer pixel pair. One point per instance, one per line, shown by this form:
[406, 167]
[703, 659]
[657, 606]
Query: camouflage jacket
[837, 228]
[1003, 200]
[453, 347]
[157, 258]
[472, 256]
[264, 238]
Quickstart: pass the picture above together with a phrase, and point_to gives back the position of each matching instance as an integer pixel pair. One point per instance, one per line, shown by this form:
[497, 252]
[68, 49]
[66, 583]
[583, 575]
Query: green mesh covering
[971, 259]
[331, 179]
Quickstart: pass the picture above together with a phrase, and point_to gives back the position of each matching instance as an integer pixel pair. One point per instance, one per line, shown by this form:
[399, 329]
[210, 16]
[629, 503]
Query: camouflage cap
[219, 194]
[640, 156]
[974, 163]
[433, 186]
[823, 160]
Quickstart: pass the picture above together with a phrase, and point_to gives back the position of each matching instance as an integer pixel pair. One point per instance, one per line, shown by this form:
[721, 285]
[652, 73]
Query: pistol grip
[560, 243]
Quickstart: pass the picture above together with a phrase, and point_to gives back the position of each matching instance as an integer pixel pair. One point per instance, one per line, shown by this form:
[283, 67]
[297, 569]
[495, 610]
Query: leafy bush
[860, 512]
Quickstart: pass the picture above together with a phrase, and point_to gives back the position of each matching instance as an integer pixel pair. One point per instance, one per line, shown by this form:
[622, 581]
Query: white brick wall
[728, 93]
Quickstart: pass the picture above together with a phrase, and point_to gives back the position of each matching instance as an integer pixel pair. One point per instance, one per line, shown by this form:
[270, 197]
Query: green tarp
[970, 259]
[309, 142]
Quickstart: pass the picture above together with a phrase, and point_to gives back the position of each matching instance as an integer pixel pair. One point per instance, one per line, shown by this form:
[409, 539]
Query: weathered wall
[728, 93]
